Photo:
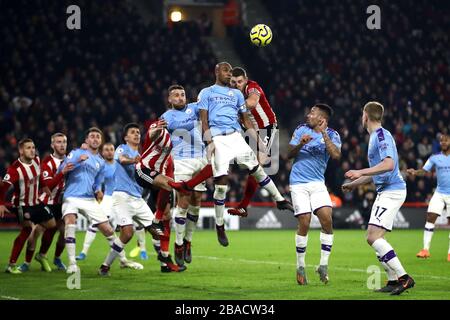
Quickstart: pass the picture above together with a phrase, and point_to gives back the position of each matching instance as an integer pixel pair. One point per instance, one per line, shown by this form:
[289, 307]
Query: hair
[23, 141]
[128, 126]
[175, 87]
[93, 129]
[374, 111]
[107, 144]
[238, 71]
[56, 135]
[326, 109]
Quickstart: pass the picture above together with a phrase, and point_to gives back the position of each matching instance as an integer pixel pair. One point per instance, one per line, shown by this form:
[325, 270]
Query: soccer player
[83, 186]
[221, 107]
[53, 201]
[106, 203]
[311, 146]
[263, 119]
[155, 170]
[23, 176]
[127, 202]
[265, 122]
[189, 158]
[441, 197]
[391, 193]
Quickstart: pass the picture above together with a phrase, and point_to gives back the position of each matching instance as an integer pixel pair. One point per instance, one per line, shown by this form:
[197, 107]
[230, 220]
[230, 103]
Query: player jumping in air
[189, 158]
[221, 108]
[441, 197]
[391, 193]
[311, 146]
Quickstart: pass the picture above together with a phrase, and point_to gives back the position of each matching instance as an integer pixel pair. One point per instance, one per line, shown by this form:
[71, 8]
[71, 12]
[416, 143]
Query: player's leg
[191, 223]
[301, 200]
[89, 237]
[448, 222]
[180, 215]
[140, 235]
[435, 209]
[322, 208]
[384, 210]
[19, 242]
[250, 188]
[70, 220]
[189, 185]
[164, 256]
[59, 248]
[246, 157]
[43, 219]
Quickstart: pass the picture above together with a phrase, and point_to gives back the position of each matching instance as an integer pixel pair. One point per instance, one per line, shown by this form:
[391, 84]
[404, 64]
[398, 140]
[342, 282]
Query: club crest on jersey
[97, 165]
[188, 111]
[322, 140]
[230, 93]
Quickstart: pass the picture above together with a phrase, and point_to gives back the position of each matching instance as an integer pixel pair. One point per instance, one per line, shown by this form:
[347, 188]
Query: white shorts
[438, 203]
[187, 168]
[385, 208]
[309, 197]
[128, 209]
[228, 148]
[106, 205]
[89, 207]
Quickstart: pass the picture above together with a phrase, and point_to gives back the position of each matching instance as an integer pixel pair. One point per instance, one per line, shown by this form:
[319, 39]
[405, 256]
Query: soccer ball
[260, 35]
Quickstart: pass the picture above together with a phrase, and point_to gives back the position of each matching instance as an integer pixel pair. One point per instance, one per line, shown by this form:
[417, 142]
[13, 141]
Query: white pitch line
[308, 265]
[9, 298]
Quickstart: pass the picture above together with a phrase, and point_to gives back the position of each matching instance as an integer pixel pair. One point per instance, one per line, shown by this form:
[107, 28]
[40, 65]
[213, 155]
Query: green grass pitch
[256, 265]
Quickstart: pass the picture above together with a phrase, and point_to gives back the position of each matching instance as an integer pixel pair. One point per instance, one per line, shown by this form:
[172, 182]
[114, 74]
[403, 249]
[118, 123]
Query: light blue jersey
[442, 164]
[185, 132]
[124, 176]
[311, 161]
[110, 169]
[87, 176]
[224, 105]
[381, 146]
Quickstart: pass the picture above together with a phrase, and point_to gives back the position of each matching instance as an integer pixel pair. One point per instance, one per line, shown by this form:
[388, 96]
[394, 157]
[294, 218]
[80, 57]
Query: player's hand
[137, 159]
[47, 191]
[353, 174]
[3, 210]
[305, 139]
[67, 168]
[411, 171]
[161, 124]
[99, 196]
[348, 187]
[323, 126]
[83, 157]
[263, 158]
[210, 151]
[84, 146]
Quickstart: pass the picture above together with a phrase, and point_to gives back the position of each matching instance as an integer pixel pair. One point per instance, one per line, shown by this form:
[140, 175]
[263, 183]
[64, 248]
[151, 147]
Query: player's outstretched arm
[252, 101]
[251, 130]
[384, 166]
[350, 186]
[414, 172]
[156, 129]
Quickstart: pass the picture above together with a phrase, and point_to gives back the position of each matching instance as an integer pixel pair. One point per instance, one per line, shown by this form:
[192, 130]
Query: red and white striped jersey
[25, 180]
[262, 114]
[155, 153]
[49, 167]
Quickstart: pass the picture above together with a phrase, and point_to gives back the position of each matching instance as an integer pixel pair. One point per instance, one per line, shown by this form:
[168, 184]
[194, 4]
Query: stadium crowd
[117, 69]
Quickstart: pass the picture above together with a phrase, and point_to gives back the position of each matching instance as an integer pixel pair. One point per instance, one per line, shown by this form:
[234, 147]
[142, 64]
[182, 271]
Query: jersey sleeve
[336, 139]
[428, 166]
[47, 173]
[241, 102]
[385, 147]
[121, 151]
[202, 101]
[295, 139]
[72, 157]
[11, 176]
[173, 124]
[254, 89]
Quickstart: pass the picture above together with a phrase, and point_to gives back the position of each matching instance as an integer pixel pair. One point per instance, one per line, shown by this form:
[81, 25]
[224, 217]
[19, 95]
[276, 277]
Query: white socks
[388, 256]
[301, 242]
[180, 224]
[267, 183]
[70, 242]
[326, 241]
[140, 234]
[220, 192]
[191, 222]
[116, 250]
[428, 235]
[89, 238]
[392, 276]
